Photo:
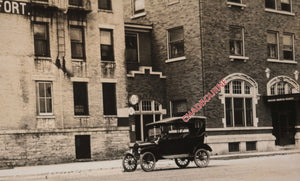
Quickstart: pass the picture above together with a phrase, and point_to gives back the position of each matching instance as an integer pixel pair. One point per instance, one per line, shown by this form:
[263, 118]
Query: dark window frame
[175, 44]
[271, 4]
[288, 55]
[128, 46]
[45, 98]
[76, 2]
[108, 7]
[273, 46]
[237, 44]
[110, 48]
[235, 1]
[81, 43]
[81, 98]
[286, 6]
[251, 145]
[45, 41]
[109, 99]
[234, 147]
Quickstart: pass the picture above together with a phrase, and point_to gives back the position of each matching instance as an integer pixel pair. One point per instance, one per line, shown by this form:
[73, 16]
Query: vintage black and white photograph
[154, 90]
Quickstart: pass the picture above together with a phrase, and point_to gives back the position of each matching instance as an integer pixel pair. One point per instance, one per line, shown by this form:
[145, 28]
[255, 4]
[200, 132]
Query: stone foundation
[219, 143]
[21, 148]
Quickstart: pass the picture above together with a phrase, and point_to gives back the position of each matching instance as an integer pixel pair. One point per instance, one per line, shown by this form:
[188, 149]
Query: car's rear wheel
[148, 161]
[129, 163]
[182, 162]
[201, 158]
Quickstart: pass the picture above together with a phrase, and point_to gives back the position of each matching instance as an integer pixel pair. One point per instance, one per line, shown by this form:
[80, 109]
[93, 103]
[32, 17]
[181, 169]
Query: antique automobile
[170, 138]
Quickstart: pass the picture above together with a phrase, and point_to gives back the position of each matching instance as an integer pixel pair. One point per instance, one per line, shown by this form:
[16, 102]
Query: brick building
[63, 81]
[252, 45]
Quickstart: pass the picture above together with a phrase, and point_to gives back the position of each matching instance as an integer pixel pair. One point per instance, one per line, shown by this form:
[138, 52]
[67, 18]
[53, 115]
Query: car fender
[204, 146]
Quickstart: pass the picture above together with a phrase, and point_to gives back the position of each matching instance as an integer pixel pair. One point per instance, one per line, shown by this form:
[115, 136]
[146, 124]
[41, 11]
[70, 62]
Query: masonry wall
[217, 17]
[28, 138]
[184, 78]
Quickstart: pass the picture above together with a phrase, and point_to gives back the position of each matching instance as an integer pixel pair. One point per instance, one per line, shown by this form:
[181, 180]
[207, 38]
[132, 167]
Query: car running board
[176, 156]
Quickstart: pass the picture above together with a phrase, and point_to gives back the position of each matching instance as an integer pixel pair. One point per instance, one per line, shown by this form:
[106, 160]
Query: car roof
[176, 120]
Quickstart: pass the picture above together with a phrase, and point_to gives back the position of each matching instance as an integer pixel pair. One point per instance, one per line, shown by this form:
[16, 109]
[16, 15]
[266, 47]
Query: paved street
[280, 167]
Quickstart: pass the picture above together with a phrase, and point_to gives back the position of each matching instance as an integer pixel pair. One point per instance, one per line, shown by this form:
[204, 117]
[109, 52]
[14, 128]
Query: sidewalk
[111, 164]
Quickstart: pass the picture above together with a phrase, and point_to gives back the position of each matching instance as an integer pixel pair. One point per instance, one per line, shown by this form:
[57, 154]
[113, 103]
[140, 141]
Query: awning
[283, 97]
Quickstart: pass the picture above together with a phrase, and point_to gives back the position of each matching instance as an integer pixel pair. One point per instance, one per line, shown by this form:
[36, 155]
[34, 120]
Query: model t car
[170, 138]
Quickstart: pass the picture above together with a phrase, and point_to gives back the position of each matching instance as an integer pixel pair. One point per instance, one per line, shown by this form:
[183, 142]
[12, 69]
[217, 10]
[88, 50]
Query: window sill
[279, 12]
[43, 58]
[234, 57]
[282, 61]
[77, 60]
[175, 59]
[81, 116]
[45, 116]
[138, 15]
[175, 2]
[105, 10]
[110, 116]
[242, 6]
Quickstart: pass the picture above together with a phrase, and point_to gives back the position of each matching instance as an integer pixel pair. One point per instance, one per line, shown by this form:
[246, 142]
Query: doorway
[83, 146]
[284, 121]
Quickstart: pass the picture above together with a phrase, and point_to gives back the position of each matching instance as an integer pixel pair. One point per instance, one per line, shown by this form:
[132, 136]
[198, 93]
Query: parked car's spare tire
[129, 163]
[201, 158]
[148, 161]
[182, 162]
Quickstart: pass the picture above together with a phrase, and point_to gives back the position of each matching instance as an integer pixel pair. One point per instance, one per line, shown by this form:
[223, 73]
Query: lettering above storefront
[14, 7]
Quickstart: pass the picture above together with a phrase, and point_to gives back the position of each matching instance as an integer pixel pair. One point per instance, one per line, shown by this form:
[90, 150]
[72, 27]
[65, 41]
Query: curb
[163, 162]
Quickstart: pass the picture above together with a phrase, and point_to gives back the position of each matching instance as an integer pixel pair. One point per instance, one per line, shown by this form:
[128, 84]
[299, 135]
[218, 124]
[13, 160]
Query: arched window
[282, 85]
[239, 97]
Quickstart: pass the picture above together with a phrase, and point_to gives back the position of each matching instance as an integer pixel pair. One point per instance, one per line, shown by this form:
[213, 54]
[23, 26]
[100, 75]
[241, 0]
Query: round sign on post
[133, 99]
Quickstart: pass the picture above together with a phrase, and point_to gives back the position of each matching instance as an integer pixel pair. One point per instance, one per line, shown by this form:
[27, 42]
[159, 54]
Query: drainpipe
[201, 48]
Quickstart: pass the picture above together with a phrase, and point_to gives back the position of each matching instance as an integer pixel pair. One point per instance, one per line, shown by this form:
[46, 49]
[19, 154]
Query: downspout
[201, 46]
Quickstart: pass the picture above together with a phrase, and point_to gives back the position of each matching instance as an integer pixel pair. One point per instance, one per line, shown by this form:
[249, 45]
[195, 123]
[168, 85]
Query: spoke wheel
[201, 158]
[129, 163]
[148, 161]
[182, 162]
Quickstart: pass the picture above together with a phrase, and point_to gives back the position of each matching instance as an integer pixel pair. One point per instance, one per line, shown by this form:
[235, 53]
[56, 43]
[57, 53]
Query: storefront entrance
[284, 121]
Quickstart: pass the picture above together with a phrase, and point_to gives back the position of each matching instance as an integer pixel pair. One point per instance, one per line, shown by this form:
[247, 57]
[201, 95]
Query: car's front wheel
[148, 161]
[182, 162]
[201, 158]
[129, 163]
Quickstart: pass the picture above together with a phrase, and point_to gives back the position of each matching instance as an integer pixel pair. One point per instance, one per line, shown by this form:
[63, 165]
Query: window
[236, 41]
[272, 40]
[238, 104]
[75, 2]
[131, 47]
[176, 42]
[146, 106]
[286, 5]
[251, 146]
[288, 47]
[281, 88]
[104, 4]
[107, 49]
[235, 1]
[109, 98]
[41, 39]
[44, 96]
[77, 42]
[139, 6]
[270, 4]
[234, 147]
[80, 93]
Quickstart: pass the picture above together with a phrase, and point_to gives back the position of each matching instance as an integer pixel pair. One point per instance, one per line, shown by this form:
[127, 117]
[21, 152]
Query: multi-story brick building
[252, 45]
[63, 81]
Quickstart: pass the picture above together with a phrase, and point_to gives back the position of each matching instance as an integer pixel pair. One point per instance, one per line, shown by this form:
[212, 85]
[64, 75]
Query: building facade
[252, 45]
[63, 81]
